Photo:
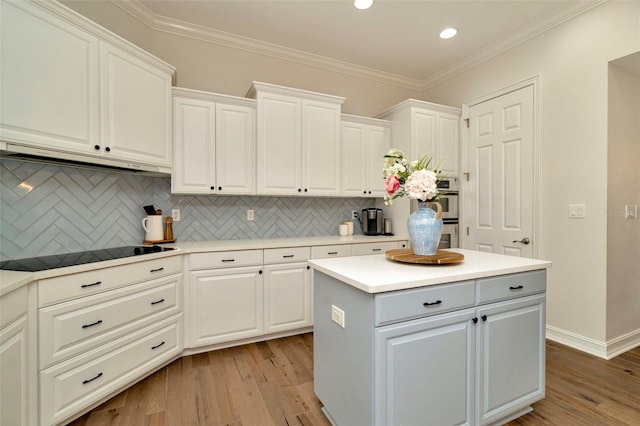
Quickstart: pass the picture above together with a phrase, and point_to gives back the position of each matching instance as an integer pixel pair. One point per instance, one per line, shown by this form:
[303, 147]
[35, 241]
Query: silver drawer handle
[91, 285]
[428, 304]
[92, 324]
[514, 287]
[157, 346]
[84, 382]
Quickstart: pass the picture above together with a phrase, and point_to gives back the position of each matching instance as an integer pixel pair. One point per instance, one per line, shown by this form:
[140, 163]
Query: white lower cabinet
[226, 304]
[17, 394]
[70, 386]
[109, 328]
[287, 297]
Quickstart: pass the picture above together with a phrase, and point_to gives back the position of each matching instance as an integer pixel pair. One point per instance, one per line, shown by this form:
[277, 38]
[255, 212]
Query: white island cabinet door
[194, 138]
[136, 108]
[49, 80]
[279, 136]
[321, 148]
[511, 348]
[425, 371]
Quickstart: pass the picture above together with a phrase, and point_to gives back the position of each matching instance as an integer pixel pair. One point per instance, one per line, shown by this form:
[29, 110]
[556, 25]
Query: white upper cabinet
[135, 107]
[420, 127]
[214, 137]
[49, 80]
[72, 87]
[365, 141]
[298, 141]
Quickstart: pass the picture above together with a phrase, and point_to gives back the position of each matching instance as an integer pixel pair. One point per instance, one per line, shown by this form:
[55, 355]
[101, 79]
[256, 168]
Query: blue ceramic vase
[425, 228]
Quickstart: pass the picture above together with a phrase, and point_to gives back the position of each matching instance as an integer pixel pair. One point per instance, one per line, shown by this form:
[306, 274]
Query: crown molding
[510, 42]
[198, 32]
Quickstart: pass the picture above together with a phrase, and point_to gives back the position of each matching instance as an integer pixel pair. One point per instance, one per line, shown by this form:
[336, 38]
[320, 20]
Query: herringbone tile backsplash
[49, 209]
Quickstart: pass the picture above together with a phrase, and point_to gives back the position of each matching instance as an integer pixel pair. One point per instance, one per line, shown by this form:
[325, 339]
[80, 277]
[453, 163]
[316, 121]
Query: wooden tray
[442, 257]
[150, 243]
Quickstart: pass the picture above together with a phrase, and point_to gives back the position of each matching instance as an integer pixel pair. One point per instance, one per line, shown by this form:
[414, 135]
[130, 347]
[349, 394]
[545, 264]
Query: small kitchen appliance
[371, 220]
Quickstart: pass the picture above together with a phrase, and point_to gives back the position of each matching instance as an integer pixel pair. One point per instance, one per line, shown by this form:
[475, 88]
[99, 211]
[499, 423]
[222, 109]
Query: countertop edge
[13, 280]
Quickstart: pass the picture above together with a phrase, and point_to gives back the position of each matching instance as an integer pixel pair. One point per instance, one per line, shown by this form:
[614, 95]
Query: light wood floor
[271, 383]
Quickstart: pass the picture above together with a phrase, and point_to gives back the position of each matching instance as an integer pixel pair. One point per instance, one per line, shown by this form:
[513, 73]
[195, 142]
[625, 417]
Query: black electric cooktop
[34, 264]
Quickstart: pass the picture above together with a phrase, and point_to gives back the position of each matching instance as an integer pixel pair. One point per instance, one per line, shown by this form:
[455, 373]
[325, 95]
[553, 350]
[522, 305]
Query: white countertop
[12, 280]
[377, 274]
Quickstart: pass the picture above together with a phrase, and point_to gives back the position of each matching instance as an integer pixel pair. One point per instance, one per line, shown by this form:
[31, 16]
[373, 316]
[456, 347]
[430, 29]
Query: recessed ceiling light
[448, 33]
[362, 4]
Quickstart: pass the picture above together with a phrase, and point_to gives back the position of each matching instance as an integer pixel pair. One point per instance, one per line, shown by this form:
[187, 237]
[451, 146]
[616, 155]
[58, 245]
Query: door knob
[524, 241]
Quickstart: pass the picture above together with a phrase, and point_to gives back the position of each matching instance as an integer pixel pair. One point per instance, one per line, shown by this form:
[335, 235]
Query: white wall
[216, 68]
[623, 253]
[572, 60]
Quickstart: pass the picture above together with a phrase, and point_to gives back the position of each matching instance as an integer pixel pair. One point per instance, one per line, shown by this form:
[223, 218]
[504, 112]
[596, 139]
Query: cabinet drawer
[70, 328]
[511, 286]
[408, 304]
[324, 252]
[286, 255]
[73, 385]
[58, 289]
[373, 248]
[225, 259]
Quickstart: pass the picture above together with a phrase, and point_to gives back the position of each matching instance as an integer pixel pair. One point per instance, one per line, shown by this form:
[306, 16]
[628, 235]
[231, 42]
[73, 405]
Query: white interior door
[500, 188]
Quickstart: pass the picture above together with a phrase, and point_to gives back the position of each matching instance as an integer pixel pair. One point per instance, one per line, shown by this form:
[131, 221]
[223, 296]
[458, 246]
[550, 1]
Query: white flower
[421, 185]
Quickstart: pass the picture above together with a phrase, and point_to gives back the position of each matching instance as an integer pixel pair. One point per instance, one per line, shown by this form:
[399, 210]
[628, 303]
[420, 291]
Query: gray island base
[401, 344]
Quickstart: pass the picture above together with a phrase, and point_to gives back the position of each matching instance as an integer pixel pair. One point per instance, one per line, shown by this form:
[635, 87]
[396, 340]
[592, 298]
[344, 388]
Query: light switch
[337, 315]
[577, 211]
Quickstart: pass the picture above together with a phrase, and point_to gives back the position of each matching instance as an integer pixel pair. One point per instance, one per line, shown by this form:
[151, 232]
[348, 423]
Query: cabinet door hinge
[467, 230]
[466, 120]
[466, 176]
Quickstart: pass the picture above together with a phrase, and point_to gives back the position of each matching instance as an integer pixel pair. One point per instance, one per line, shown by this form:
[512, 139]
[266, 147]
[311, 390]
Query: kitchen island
[405, 344]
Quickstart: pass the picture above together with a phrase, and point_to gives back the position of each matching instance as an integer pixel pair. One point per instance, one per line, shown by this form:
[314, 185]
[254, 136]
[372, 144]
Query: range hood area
[11, 151]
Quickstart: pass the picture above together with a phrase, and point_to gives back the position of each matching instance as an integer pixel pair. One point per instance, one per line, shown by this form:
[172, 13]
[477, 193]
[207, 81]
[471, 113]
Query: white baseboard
[607, 350]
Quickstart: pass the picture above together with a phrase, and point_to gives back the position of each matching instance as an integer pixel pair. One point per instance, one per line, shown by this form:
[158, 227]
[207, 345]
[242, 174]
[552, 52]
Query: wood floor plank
[271, 384]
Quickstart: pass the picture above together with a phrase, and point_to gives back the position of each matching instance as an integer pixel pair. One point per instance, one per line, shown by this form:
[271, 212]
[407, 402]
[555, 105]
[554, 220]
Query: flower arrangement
[413, 179]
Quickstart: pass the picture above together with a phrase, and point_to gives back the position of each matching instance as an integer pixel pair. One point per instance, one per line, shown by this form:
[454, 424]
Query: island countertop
[377, 274]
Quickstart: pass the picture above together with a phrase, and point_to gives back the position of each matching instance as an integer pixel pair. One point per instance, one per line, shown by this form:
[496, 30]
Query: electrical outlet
[249, 214]
[337, 315]
[354, 214]
[175, 214]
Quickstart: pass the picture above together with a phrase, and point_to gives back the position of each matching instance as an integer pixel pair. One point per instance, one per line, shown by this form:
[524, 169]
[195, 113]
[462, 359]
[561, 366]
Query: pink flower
[392, 184]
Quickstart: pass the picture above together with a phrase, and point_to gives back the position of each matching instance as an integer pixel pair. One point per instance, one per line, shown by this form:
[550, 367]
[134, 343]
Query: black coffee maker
[371, 220]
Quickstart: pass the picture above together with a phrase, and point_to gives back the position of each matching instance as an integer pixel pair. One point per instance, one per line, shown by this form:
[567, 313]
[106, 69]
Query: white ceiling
[394, 37]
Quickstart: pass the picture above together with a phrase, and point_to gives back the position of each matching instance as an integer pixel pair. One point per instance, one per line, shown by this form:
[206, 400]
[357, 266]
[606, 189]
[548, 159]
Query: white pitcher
[153, 225]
